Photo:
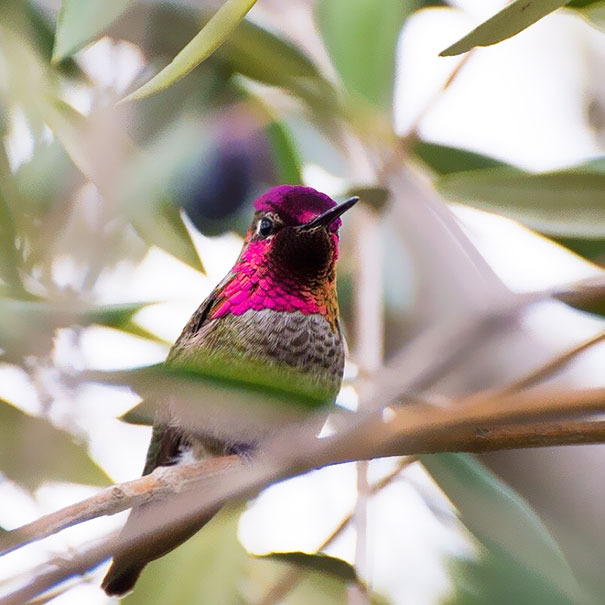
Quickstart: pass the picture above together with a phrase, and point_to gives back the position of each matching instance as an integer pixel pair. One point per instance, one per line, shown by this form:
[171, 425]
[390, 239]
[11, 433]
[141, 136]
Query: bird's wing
[168, 440]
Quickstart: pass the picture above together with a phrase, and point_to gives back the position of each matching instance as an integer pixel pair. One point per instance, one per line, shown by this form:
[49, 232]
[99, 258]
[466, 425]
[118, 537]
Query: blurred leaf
[512, 19]
[592, 10]
[314, 584]
[212, 381]
[212, 35]
[208, 568]
[10, 257]
[26, 325]
[361, 36]
[34, 451]
[80, 22]
[446, 160]
[498, 516]
[587, 295]
[498, 578]
[165, 228]
[156, 220]
[143, 413]
[315, 562]
[47, 179]
[376, 197]
[284, 154]
[591, 249]
[263, 56]
[76, 133]
[242, 393]
[42, 33]
[568, 203]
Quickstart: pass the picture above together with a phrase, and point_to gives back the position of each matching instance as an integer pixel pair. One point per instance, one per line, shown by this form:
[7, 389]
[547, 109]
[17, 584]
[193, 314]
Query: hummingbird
[275, 315]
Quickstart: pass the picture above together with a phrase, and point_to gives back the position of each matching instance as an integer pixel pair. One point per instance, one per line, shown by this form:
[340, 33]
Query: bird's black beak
[328, 216]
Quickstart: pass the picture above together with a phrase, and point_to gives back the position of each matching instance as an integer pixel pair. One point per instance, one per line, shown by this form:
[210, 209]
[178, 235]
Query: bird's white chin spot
[186, 456]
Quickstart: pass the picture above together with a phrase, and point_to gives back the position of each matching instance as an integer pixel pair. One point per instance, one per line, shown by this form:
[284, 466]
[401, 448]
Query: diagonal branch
[406, 434]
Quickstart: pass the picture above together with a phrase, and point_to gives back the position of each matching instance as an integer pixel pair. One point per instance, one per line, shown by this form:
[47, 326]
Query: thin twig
[112, 500]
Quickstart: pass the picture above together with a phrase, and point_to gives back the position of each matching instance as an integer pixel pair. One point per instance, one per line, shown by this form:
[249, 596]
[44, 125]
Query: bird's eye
[265, 227]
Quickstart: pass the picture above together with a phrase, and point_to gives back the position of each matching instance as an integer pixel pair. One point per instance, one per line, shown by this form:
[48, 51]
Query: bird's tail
[137, 545]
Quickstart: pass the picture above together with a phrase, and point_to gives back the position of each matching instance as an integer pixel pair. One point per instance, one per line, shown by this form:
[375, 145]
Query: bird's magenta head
[289, 257]
[296, 205]
[296, 227]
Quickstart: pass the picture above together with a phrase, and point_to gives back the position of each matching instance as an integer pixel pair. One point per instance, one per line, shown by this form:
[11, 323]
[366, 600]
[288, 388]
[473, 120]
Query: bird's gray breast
[305, 343]
[302, 349]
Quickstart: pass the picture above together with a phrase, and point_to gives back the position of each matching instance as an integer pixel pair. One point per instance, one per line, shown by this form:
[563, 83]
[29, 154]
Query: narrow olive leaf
[26, 325]
[376, 197]
[34, 451]
[587, 295]
[590, 249]
[496, 514]
[495, 576]
[42, 30]
[208, 568]
[443, 159]
[512, 19]
[164, 227]
[315, 562]
[240, 393]
[285, 155]
[81, 22]
[112, 316]
[568, 203]
[593, 11]
[142, 414]
[156, 221]
[361, 36]
[10, 258]
[212, 35]
[80, 138]
[261, 55]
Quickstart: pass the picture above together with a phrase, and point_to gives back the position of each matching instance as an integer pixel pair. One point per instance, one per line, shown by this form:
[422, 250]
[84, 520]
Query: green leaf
[155, 219]
[592, 10]
[143, 413]
[512, 19]
[243, 393]
[208, 568]
[261, 55]
[164, 227]
[445, 160]
[591, 249]
[361, 37]
[80, 22]
[34, 451]
[284, 154]
[569, 203]
[26, 325]
[212, 35]
[10, 258]
[497, 515]
[497, 578]
[315, 562]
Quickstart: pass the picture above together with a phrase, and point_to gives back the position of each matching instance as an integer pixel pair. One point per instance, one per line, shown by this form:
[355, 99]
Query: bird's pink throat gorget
[254, 285]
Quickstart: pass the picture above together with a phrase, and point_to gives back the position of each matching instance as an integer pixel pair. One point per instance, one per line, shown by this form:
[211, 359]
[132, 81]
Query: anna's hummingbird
[275, 314]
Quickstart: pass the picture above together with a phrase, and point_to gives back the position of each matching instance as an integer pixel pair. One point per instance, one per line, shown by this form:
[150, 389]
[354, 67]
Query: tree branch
[163, 482]
[461, 437]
